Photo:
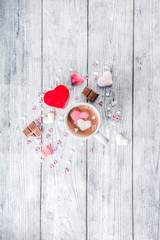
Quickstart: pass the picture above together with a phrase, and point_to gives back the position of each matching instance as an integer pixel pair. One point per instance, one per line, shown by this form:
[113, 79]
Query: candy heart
[76, 115]
[121, 141]
[49, 118]
[76, 79]
[83, 125]
[105, 80]
[58, 97]
[47, 151]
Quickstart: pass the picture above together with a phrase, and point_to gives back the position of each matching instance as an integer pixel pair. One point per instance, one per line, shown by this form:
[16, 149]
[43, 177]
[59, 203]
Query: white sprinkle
[107, 67]
[81, 143]
[37, 140]
[107, 94]
[76, 129]
[114, 131]
[41, 160]
[118, 113]
[57, 79]
[97, 62]
[72, 151]
[70, 69]
[50, 88]
[59, 70]
[114, 103]
[69, 162]
[93, 117]
[109, 115]
[95, 73]
[113, 123]
[108, 109]
[60, 122]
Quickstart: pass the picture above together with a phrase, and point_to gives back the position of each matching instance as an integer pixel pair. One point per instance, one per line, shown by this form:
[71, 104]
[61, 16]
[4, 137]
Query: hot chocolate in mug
[94, 119]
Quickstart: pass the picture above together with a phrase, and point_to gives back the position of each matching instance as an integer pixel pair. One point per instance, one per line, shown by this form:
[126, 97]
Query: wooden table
[114, 192]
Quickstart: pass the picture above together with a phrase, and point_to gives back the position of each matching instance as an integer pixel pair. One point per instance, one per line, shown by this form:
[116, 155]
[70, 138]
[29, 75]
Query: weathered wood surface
[146, 120]
[20, 68]
[112, 193]
[110, 168]
[65, 46]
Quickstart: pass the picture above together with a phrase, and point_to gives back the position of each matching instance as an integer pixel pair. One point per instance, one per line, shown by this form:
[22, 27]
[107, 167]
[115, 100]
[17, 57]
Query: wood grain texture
[146, 120]
[20, 70]
[110, 168]
[65, 46]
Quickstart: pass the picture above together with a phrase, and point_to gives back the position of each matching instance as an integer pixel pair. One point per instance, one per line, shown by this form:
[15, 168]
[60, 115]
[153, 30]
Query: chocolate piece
[86, 91]
[90, 94]
[32, 130]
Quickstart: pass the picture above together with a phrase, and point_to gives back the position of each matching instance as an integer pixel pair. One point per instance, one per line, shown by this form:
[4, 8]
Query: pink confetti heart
[39, 119]
[94, 127]
[76, 98]
[54, 149]
[51, 165]
[115, 117]
[28, 141]
[40, 101]
[39, 95]
[95, 79]
[94, 64]
[58, 142]
[50, 130]
[34, 108]
[66, 134]
[90, 150]
[47, 136]
[87, 76]
[40, 144]
[66, 170]
[55, 162]
[37, 149]
[101, 103]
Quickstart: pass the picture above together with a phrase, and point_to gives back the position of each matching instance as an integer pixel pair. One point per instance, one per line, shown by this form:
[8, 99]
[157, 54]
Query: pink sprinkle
[58, 142]
[54, 149]
[39, 94]
[40, 144]
[39, 124]
[39, 119]
[101, 103]
[86, 77]
[94, 127]
[115, 117]
[91, 150]
[95, 79]
[50, 130]
[76, 98]
[37, 149]
[34, 108]
[94, 64]
[28, 141]
[55, 161]
[51, 165]
[40, 101]
[66, 134]
[47, 136]
[44, 92]
[66, 170]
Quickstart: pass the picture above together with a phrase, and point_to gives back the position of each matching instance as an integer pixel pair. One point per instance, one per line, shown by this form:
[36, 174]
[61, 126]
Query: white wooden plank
[146, 120]
[110, 168]
[65, 46]
[20, 70]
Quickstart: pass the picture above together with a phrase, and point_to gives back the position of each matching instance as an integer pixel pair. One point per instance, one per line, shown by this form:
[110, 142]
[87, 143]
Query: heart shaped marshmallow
[47, 151]
[121, 141]
[58, 97]
[105, 80]
[76, 79]
[76, 115]
[83, 125]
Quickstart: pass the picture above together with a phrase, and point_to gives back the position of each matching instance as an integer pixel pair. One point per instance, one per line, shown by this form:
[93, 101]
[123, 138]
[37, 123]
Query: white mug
[96, 133]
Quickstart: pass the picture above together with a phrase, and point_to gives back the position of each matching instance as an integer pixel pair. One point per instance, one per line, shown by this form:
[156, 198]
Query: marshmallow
[83, 125]
[121, 141]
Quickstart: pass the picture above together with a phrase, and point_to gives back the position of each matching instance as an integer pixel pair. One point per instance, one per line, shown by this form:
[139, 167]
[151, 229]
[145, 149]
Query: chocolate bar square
[92, 96]
[86, 91]
[33, 127]
[32, 130]
[27, 132]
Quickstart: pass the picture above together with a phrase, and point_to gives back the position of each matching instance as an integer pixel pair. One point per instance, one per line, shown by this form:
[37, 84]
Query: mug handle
[101, 138]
